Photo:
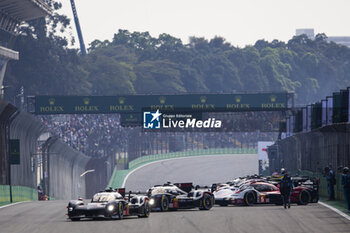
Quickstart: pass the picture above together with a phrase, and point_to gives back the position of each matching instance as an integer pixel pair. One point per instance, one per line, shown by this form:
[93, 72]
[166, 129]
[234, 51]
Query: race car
[253, 191]
[179, 196]
[306, 189]
[248, 194]
[109, 204]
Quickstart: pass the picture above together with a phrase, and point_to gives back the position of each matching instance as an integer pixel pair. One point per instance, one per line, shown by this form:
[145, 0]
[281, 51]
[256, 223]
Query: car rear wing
[311, 182]
[204, 188]
[187, 187]
[121, 191]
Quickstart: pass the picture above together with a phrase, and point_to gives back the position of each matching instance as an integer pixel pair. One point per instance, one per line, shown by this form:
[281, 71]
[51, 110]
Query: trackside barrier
[6, 111]
[97, 180]
[62, 165]
[27, 129]
[19, 193]
[119, 175]
[65, 168]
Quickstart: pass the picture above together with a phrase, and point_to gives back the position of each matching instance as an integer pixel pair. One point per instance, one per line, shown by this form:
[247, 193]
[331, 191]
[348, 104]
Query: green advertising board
[136, 103]
[14, 151]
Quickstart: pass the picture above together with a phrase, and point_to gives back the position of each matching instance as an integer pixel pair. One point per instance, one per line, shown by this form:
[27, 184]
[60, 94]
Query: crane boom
[77, 25]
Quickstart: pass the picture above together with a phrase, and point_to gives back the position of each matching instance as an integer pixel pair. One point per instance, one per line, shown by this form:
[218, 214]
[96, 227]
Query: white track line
[12, 204]
[335, 210]
[126, 177]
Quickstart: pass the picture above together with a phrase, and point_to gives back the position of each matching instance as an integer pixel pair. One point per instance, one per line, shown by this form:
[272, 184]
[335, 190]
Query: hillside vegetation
[136, 62]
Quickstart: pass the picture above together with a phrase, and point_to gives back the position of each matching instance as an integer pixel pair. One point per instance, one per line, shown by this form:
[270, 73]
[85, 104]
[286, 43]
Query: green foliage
[136, 62]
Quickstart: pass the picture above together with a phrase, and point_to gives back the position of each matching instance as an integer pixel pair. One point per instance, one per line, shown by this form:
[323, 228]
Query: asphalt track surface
[201, 170]
[49, 217]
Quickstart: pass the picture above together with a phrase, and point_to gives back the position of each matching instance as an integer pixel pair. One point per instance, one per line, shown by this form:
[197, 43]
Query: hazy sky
[241, 22]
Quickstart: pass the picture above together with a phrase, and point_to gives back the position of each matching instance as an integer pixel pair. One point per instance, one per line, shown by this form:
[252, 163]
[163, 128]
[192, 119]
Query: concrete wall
[27, 129]
[313, 151]
[65, 165]
[6, 110]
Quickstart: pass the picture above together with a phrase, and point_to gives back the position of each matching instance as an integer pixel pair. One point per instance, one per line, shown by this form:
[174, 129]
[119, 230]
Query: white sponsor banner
[292, 124]
[329, 110]
[304, 120]
[262, 149]
[308, 128]
[324, 113]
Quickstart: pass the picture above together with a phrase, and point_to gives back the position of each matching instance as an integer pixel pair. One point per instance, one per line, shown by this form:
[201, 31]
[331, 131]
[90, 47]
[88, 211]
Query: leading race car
[109, 204]
[179, 196]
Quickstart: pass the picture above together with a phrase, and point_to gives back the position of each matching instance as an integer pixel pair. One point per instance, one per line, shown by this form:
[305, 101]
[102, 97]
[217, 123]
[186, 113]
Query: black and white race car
[179, 196]
[109, 204]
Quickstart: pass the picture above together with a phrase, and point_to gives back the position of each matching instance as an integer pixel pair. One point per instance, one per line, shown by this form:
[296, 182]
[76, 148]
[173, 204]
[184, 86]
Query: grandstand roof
[8, 53]
[22, 10]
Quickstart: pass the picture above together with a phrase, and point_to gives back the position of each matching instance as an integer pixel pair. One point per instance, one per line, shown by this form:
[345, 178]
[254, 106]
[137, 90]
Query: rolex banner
[135, 103]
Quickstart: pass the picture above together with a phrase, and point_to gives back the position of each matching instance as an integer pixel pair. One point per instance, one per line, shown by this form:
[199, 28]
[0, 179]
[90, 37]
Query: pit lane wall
[118, 176]
[310, 152]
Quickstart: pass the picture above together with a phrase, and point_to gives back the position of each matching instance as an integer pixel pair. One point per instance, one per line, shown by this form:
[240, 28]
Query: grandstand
[12, 14]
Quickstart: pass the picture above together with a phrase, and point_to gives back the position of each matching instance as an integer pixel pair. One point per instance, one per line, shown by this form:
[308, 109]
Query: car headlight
[151, 202]
[70, 209]
[110, 208]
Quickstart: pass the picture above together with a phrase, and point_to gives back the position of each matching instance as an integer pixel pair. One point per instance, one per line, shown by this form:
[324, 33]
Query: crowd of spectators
[258, 121]
[100, 135]
[95, 135]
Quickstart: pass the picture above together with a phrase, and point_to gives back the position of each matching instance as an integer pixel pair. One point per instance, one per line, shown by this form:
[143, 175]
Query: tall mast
[77, 25]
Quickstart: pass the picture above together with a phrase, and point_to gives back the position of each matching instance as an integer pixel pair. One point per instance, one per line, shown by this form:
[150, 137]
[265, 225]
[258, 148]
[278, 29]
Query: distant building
[343, 40]
[307, 31]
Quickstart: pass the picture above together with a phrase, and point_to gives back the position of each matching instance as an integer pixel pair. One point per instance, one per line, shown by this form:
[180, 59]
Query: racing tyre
[249, 198]
[164, 203]
[207, 202]
[120, 210]
[304, 198]
[146, 211]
